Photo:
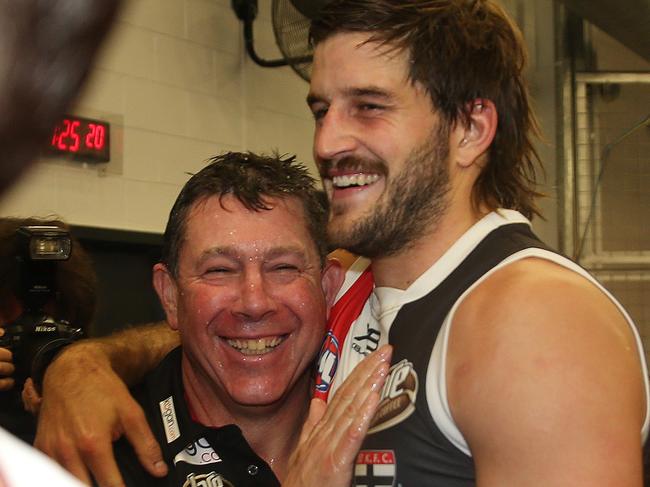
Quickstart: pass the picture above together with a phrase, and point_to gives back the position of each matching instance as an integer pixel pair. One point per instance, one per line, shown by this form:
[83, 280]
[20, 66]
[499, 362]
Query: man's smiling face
[249, 299]
[378, 145]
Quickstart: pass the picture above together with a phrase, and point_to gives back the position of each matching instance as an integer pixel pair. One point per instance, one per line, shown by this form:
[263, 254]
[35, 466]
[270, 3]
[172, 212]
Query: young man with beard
[512, 366]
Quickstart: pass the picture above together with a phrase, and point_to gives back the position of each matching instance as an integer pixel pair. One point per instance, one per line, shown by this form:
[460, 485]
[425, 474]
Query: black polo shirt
[197, 455]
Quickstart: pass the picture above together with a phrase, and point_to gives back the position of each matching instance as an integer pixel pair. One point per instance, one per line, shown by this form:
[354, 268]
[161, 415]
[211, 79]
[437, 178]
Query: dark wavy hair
[460, 51]
[252, 179]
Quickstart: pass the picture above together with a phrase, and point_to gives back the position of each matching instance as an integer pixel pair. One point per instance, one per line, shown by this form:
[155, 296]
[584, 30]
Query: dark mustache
[353, 164]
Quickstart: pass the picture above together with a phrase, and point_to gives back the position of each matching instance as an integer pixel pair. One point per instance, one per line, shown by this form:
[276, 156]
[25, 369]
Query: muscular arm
[86, 406]
[545, 383]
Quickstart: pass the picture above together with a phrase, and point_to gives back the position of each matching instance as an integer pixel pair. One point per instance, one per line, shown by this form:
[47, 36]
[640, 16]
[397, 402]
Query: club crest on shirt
[397, 397]
[198, 453]
[328, 361]
[375, 468]
[211, 479]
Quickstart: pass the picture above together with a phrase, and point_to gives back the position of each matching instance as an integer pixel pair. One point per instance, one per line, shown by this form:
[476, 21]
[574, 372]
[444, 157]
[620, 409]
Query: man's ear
[165, 286]
[474, 139]
[332, 279]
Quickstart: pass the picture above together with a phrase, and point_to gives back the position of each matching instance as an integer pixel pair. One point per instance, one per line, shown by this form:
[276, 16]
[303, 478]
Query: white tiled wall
[177, 86]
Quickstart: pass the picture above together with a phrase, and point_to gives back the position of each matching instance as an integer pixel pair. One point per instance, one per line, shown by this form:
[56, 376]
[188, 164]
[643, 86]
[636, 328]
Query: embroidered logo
[198, 453]
[375, 468]
[211, 479]
[368, 343]
[397, 397]
[328, 361]
[168, 413]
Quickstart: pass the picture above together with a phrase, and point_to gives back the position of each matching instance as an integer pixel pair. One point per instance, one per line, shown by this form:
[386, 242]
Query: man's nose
[255, 297]
[334, 136]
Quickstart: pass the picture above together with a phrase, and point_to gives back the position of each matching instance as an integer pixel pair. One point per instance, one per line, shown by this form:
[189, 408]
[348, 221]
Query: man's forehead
[226, 218]
[353, 59]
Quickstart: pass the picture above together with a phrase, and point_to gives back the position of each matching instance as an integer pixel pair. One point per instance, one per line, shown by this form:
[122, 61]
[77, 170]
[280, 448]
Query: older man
[245, 281]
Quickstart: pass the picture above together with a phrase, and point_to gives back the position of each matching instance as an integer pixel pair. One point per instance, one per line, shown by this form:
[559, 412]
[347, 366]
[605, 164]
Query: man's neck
[271, 431]
[400, 270]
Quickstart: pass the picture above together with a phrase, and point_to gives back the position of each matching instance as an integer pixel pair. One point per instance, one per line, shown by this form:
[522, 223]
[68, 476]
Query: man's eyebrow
[216, 252]
[272, 253]
[276, 252]
[372, 91]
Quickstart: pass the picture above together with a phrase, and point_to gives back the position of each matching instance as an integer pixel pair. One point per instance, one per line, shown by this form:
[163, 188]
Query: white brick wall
[175, 83]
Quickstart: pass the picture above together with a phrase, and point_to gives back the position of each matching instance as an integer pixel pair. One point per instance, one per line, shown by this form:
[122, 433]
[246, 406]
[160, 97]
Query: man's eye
[370, 107]
[318, 112]
[218, 270]
[285, 267]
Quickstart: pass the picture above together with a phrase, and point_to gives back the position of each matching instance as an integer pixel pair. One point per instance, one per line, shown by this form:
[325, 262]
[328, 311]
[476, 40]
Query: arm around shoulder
[86, 406]
[545, 381]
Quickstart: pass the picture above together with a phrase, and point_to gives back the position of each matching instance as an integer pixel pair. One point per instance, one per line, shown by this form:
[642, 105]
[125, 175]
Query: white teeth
[256, 346]
[354, 180]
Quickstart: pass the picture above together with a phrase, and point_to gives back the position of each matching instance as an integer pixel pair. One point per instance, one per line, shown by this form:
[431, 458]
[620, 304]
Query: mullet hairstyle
[253, 179]
[460, 51]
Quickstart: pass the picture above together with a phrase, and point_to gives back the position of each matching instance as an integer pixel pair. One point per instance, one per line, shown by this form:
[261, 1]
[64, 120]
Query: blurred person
[46, 52]
[72, 300]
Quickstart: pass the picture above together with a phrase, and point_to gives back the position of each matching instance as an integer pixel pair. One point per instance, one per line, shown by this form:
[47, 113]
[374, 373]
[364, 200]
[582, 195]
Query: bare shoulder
[542, 364]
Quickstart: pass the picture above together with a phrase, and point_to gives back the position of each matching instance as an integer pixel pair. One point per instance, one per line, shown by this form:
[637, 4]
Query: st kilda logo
[397, 397]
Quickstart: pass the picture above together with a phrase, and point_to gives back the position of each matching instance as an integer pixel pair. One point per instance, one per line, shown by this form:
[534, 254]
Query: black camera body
[34, 340]
[35, 336]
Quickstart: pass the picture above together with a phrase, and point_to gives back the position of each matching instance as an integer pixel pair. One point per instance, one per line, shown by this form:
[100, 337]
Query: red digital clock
[81, 138]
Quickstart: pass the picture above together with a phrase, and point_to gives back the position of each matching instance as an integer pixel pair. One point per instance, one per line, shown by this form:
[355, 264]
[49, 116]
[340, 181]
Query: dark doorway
[123, 261]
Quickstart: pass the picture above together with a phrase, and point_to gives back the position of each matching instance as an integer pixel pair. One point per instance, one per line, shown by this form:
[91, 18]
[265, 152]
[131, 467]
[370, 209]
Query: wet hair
[460, 51]
[76, 281]
[252, 179]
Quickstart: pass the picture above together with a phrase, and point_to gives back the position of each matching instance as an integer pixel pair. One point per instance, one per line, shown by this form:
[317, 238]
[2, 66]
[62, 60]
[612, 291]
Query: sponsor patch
[397, 397]
[168, 413]
[198, 453]
[211, 479]
[375, 468]
[328, 361]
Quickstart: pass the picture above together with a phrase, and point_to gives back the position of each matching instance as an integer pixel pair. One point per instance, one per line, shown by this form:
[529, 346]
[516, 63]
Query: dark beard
[417, 200]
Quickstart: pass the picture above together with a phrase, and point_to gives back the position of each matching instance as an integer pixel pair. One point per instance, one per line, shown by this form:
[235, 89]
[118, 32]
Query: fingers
[31, 398]
[68, 457]
[329, 445]
[349, 440]
[137, 431]
[80, 417]
[6, 364]
[6, 384]
[102, 464]
[6, 369]
[348, 417]
[367, 377]
[317, 409]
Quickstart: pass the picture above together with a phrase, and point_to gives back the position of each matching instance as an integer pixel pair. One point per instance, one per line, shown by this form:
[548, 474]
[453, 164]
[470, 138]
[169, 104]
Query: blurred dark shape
[46, 51]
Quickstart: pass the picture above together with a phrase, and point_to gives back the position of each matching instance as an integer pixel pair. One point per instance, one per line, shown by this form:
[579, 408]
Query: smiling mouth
[256, 346]
[354, 180]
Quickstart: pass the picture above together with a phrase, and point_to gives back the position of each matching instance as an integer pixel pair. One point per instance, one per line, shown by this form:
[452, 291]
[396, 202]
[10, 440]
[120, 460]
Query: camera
[36, 336]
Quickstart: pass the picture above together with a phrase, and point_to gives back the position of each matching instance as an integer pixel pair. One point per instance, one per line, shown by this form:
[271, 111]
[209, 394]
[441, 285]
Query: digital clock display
[81, 138]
